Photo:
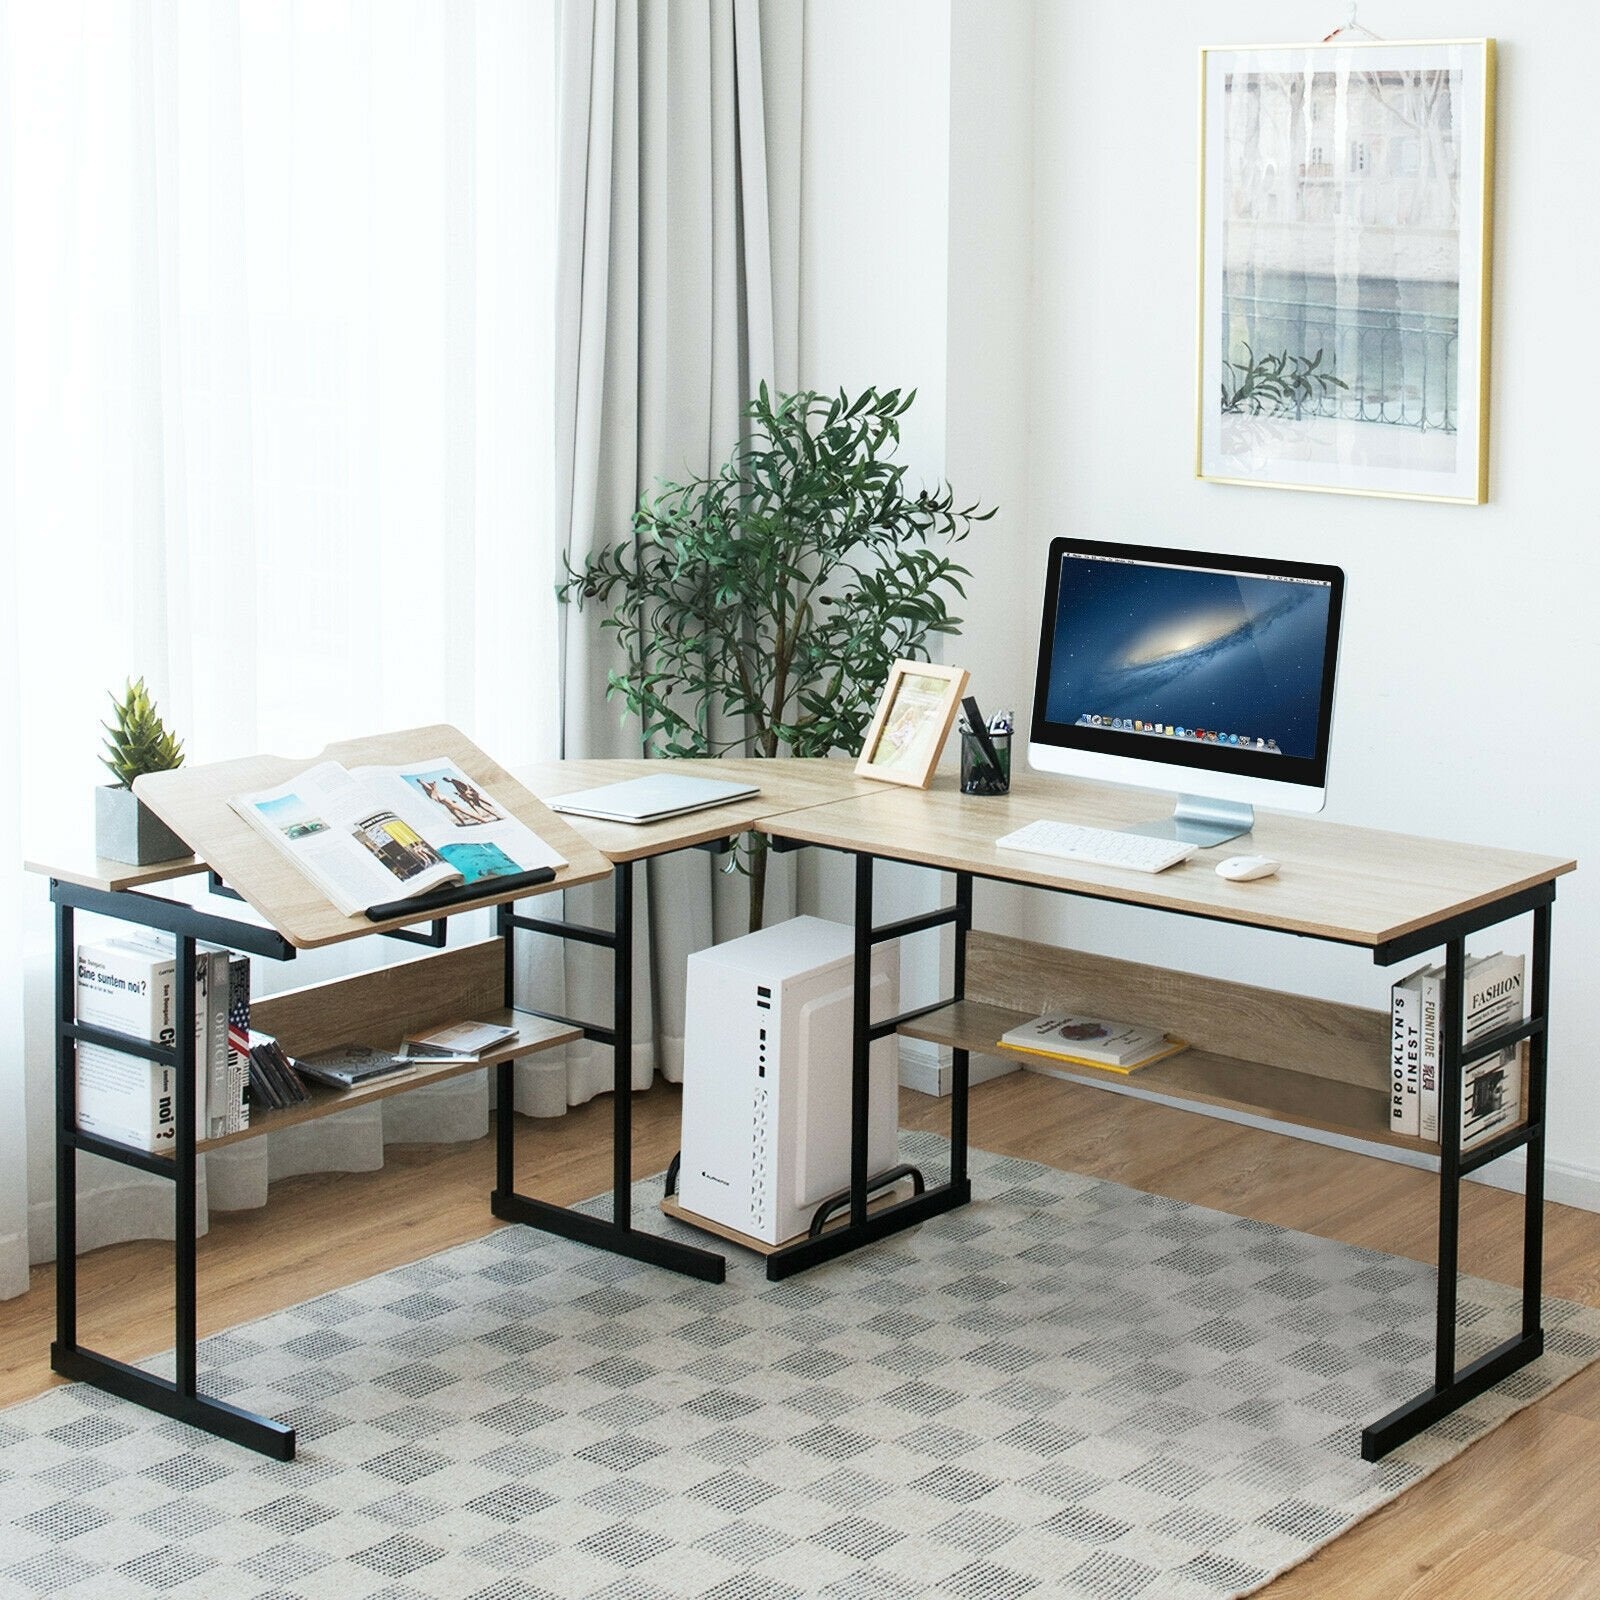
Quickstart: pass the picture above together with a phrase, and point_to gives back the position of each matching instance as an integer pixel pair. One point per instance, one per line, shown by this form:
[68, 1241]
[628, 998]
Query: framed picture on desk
[912, 722]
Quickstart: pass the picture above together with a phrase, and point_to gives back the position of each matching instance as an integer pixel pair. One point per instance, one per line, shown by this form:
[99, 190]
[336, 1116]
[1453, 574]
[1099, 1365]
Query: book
[344, 1066]
[1491, 1097]
[372, 835]
[148, 945]
[1091, 1041]
[1432, 1045]
[211, 975]
[273, 1074]
[123, 1097]
[1405, 1053]
[1491, 1087]
[238, 1073]
[456, 1041]
[262, 1090]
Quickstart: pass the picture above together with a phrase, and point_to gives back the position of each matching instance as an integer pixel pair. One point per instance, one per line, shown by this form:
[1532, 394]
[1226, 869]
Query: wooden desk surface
[1356, 885]
[786, 785]
[193, 802]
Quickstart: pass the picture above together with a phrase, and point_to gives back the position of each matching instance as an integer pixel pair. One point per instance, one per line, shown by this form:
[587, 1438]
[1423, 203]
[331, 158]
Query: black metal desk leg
[178, 1397]
[861, 1042]
[1533, 1101]
[1451, 1388]
[1449, 1163]
[622, 1048]
[959, 1059]
[184, 1211]
[505, 1082]
[863, 1227]
[66, 1122]
[618, 1234]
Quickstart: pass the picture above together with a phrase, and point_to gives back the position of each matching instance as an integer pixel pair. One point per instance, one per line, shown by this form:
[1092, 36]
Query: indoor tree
[758, 610]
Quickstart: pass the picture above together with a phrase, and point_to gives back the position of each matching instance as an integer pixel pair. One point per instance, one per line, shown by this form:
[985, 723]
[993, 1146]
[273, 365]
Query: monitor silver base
[1196, 820]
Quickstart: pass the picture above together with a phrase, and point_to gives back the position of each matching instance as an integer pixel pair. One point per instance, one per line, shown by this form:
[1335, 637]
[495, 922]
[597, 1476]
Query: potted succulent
[759, 609]
[136, 742]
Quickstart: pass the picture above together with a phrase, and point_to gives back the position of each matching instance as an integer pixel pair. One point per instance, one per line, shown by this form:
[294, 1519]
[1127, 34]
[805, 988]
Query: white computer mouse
[1240, 869]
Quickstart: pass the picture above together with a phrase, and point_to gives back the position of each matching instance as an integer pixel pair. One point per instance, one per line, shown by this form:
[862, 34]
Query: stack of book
[347, 1065]
[455, 1041]
[275, 1079]
[1491, 1085]
[1091, 1042]
[128, 985]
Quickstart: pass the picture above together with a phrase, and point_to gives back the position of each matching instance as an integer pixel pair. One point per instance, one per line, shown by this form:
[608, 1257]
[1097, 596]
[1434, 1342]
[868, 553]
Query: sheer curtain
[275, 429]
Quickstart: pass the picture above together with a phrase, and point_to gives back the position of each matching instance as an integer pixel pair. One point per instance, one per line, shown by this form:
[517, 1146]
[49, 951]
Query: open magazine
[373, 835]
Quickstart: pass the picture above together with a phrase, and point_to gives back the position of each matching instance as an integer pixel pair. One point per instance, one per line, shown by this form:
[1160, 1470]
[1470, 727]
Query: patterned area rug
[1067, 1389]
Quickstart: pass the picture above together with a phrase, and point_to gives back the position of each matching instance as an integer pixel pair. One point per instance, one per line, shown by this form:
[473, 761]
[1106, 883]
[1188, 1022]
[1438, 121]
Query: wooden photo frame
[1346, 209]
[912, 722]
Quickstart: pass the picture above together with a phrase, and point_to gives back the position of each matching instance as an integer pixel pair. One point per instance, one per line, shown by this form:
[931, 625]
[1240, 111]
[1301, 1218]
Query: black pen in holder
[979, 775]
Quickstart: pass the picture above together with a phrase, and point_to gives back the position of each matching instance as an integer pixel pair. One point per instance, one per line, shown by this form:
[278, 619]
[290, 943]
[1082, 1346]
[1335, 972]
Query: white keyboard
[1138, 852]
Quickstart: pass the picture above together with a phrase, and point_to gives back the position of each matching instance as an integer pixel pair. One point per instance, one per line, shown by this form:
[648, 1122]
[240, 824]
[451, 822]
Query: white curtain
[275, 418]
[679, 168]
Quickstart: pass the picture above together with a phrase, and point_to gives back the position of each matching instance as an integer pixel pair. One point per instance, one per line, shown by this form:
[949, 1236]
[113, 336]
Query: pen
[979, 730]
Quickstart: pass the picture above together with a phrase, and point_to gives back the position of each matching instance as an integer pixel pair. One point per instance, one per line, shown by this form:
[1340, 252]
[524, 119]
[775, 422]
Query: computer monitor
[1180, 669]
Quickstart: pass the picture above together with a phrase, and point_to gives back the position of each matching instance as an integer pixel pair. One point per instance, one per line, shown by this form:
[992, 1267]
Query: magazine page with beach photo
[376, 834]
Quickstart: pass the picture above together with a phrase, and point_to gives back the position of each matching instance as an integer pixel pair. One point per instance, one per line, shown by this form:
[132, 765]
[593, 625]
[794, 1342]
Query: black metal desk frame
[180, 1396]
[1452, 1387]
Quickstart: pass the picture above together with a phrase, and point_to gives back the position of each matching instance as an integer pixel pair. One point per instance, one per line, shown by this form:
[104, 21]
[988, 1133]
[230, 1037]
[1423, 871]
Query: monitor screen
[1221, 664]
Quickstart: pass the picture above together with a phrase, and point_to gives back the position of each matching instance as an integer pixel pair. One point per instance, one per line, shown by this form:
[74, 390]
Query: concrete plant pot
[126, 830]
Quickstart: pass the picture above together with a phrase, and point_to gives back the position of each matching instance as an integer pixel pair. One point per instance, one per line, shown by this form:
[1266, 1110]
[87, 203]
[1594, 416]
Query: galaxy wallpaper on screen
[1195, 649]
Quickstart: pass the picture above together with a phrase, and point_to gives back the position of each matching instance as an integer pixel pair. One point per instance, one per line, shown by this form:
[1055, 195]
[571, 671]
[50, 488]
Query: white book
[1491, 1088]
[128, 989]
[456, 1041]
[1091, 1041]
[1432, 1046]
[126, 1098]
[1405, 1054]
[1493, 997]
[160, 947]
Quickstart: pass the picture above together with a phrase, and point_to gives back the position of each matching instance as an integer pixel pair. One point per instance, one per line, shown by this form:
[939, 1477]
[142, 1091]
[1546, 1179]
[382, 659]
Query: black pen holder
[978, 774]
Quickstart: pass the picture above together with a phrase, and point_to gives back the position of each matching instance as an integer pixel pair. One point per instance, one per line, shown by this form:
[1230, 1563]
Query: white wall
[1470, 646]
[874, 284]
[1066, 334]
[873, 280]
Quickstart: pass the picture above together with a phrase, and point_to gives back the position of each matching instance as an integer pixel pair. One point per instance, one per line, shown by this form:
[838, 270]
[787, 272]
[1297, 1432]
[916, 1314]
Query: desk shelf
[533, 1034]
[1196, 1076]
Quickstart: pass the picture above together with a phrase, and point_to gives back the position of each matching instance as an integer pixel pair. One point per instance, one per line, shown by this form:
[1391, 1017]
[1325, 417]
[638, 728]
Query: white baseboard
[926, 1068]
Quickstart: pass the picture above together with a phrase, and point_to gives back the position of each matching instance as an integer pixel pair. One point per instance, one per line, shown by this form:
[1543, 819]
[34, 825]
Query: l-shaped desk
[1392, 894]
[1283, 1057]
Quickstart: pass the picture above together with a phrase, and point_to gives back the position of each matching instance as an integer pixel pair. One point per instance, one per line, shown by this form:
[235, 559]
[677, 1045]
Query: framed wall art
[912, 722]
[1345, 216]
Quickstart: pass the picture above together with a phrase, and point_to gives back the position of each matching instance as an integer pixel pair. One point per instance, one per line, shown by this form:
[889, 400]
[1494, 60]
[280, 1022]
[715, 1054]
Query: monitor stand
[1196, 820]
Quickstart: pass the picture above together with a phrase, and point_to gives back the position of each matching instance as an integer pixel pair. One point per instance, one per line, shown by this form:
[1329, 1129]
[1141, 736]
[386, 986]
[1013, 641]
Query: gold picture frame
[915, 714]
[1346, 216]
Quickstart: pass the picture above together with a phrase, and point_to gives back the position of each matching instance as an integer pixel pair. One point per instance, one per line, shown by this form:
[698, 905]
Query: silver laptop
[650, 799]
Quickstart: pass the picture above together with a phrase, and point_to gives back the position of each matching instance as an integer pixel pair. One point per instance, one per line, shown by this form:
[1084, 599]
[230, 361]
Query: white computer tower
[766, 1076]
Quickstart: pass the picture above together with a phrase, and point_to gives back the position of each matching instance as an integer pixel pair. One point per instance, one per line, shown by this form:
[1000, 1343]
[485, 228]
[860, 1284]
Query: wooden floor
[1517, 1517]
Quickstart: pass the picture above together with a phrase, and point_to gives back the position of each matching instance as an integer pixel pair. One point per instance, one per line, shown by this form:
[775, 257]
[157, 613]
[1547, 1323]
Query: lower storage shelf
[533, 1033]
[1200, 1077]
